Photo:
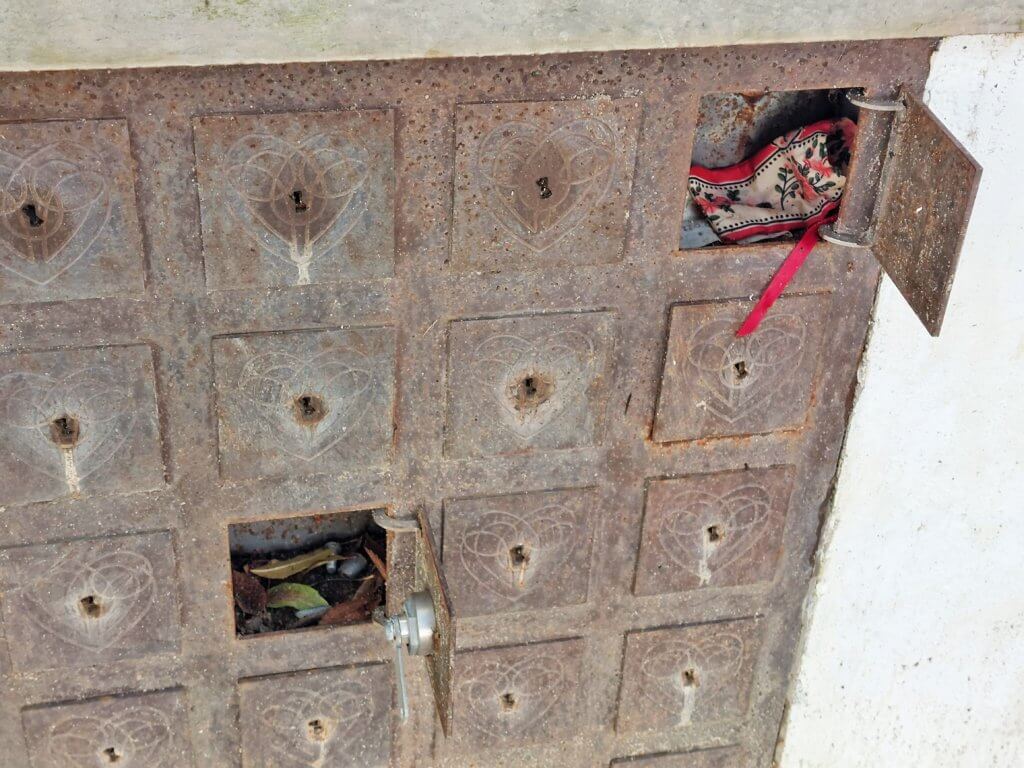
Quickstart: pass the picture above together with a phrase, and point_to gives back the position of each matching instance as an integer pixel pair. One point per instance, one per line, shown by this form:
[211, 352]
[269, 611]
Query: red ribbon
[781, 279]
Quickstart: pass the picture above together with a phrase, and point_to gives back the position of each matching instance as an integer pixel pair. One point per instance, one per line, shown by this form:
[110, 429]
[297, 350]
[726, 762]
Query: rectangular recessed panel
[90, 602]
[543, 184]
[518, 694]
[296, 199]
[78, 421]
[728, 757]
[519, 384]
[718, 530]
[303, 402]
[68, 224]
[929, 185]
[687, 677]
[336, 717]
[519, 552]
[147, 728]
[716, 384]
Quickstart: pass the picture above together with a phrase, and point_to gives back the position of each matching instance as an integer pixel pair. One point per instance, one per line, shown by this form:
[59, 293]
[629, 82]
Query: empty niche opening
[311, 571]
[734, 127]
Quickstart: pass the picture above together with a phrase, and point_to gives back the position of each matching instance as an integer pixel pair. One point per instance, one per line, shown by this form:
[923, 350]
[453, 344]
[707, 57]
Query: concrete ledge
[71, 34]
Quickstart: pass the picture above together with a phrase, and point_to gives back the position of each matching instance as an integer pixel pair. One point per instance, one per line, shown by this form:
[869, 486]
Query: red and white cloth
[794, 183]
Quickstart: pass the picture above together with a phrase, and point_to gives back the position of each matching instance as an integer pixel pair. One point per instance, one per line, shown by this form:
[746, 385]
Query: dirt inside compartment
[333, 572]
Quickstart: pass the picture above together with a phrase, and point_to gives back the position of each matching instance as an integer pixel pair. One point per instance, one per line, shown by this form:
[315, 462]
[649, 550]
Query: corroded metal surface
[929, 188]
[861, 192]
[543, 183]
[68, 212]
[680, 677]
[146, 729]
[717, 530]
[728, 757]
[334, 717]
[90, 602]
[718, 384]
[519, 552]
[406, 332]
[296, 199]
[441, 660]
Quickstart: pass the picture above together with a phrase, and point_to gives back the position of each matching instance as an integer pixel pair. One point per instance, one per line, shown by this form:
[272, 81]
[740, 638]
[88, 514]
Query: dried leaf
[377, 562]
[369, 585]
[360, 607]
[282, 569]
[357, 609]
[297, 596]
[250, 596]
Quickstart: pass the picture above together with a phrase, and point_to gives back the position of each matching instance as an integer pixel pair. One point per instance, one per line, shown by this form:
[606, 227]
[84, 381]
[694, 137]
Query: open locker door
[928, 189]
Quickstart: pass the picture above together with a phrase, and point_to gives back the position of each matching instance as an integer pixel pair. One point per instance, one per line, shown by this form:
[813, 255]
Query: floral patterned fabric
[793, 183]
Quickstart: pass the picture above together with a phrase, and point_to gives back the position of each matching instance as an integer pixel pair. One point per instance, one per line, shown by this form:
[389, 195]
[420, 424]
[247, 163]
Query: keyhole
[741, 370]
[545, 190]
[300, 204]
[519, 555]
[508, 702]
[65, 431]
[714, 533]
[308, 409]
[317, 730]
[29, 209]
[112, 755]
[531, 391]
[91, 607]
[690, 678]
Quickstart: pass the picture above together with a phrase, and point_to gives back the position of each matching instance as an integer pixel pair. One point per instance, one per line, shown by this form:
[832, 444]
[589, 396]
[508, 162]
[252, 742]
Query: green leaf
[733, 194]
[778, 188]
[297, 596]
[809, 153]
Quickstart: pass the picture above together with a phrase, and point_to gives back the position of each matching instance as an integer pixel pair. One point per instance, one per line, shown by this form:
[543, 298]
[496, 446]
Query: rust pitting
[179, 310]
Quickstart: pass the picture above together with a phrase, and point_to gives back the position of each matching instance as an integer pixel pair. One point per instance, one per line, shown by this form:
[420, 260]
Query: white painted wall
[68, 34]
[914, 651]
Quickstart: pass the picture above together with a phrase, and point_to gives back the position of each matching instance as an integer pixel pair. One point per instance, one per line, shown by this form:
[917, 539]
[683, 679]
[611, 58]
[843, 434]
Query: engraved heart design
[740, 517]
[319, 728]
[102, 601]
[547, 537]
[54, 203]
[541, 185]
[275, 381]
[536, 683]
[95, 396]
[132, 739]
[561, 367]
[297, 200]
[680, 672]
[739, 375]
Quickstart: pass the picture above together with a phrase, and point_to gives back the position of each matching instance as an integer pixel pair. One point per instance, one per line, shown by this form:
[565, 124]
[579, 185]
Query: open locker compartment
[732, 127]
[909, 185]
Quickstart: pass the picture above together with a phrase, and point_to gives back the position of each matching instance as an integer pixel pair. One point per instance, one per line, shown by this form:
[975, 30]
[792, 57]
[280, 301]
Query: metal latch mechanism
[409, 631]
[425, 625]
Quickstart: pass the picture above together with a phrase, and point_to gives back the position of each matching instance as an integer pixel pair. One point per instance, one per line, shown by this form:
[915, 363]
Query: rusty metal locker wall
[163, 285]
